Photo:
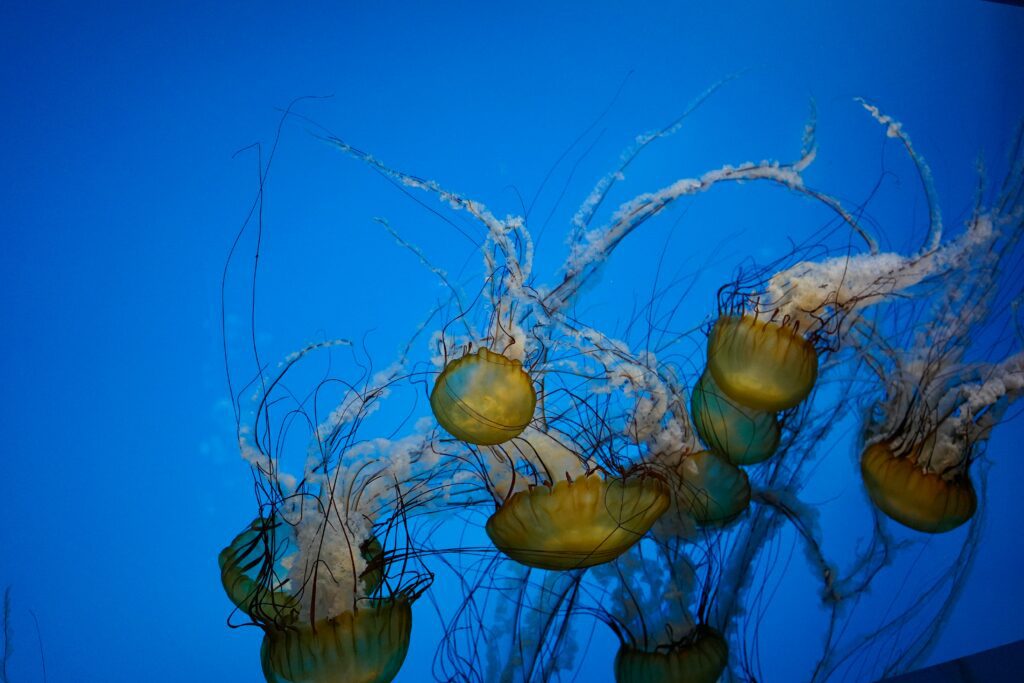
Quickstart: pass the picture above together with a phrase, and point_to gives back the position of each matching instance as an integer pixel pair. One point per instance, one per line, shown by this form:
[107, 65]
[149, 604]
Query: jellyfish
[603, 412]
[701, 658]
[254, 585]
[658, 599]
[577, 523]
[938, 405]
[326, 569]
[743, 435]
[761, 364]
[912, 495]
[484, 398]
[366, 645]
[711, 490]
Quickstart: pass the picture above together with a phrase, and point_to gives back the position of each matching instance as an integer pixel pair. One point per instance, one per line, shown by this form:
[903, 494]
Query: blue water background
[119, 196]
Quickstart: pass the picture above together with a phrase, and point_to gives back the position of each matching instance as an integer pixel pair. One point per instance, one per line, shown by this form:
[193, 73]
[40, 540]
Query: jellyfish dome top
[744, 436]
[578, 523]
[484, 398]
[761, 364]
[701, 658]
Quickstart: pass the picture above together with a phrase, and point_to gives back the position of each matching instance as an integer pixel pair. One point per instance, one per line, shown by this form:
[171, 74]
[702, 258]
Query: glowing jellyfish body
[246, 567]
[923, 501]
[713, 490]
[743, 435]
[484, 398]
[580, 523]
[366, 645]
[700, 661]
[761, 365]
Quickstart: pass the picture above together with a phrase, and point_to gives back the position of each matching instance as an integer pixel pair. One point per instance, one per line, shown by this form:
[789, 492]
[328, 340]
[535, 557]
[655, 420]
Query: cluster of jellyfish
[613, 483]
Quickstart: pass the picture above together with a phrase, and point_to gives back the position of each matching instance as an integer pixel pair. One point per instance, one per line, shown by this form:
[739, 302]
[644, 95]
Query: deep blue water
[120, 194]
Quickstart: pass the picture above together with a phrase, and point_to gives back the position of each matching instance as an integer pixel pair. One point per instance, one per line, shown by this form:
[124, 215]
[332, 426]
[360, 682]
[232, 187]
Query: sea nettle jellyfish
[577, 523]
[327, 569]
[657, 599]
[484, 398]
[938, 405]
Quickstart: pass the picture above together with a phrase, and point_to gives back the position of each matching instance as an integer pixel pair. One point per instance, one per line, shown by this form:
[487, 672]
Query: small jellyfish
[914, 497]
[484, 398]
[577, 523]
[366, 645]
[760, 364]
[743, 435]
[712, 490]
[699, 659]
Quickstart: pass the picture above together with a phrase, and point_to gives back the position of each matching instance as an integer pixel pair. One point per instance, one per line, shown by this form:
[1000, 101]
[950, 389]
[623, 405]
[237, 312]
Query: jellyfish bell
[700, 659]
[918, 499]
[743, 435]
[578, 523]
[484, 398]
[760, 364]
[711, 489]
[365, 645]
[247, 566]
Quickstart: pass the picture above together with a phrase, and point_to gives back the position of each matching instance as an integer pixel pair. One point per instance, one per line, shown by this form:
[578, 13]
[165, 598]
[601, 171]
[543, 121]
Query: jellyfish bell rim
[919, 500]
[745, 383]
[581, 545]
[500, 433]
[702, 659]
[296, 647]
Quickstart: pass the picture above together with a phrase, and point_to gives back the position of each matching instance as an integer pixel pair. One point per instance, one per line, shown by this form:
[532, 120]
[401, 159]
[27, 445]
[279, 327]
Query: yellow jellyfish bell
[923, 501]
[366, 645]
[484, 398]
[577, 524]
[713, 491]
[701, 660]
[761, 365]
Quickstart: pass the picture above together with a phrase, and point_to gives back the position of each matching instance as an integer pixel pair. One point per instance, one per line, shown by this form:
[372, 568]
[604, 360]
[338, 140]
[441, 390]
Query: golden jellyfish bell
[575, 524]
[484, 398]
[366, 645]
[761, 365]
[712, 490]
[701, 660]
[923, 501]
[743, 435]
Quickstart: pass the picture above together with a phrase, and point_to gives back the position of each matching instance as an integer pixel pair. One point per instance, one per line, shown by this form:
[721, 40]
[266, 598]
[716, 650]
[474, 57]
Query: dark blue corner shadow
[998, 665]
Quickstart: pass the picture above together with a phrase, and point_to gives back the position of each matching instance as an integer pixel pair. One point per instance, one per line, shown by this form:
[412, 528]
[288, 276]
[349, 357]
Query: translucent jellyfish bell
[743, 435]
[244, 566]
[923, 501]
[713, 491]
[761, 365]
[701, 660]
[366, 645]
[579, 523]
[484, 398]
